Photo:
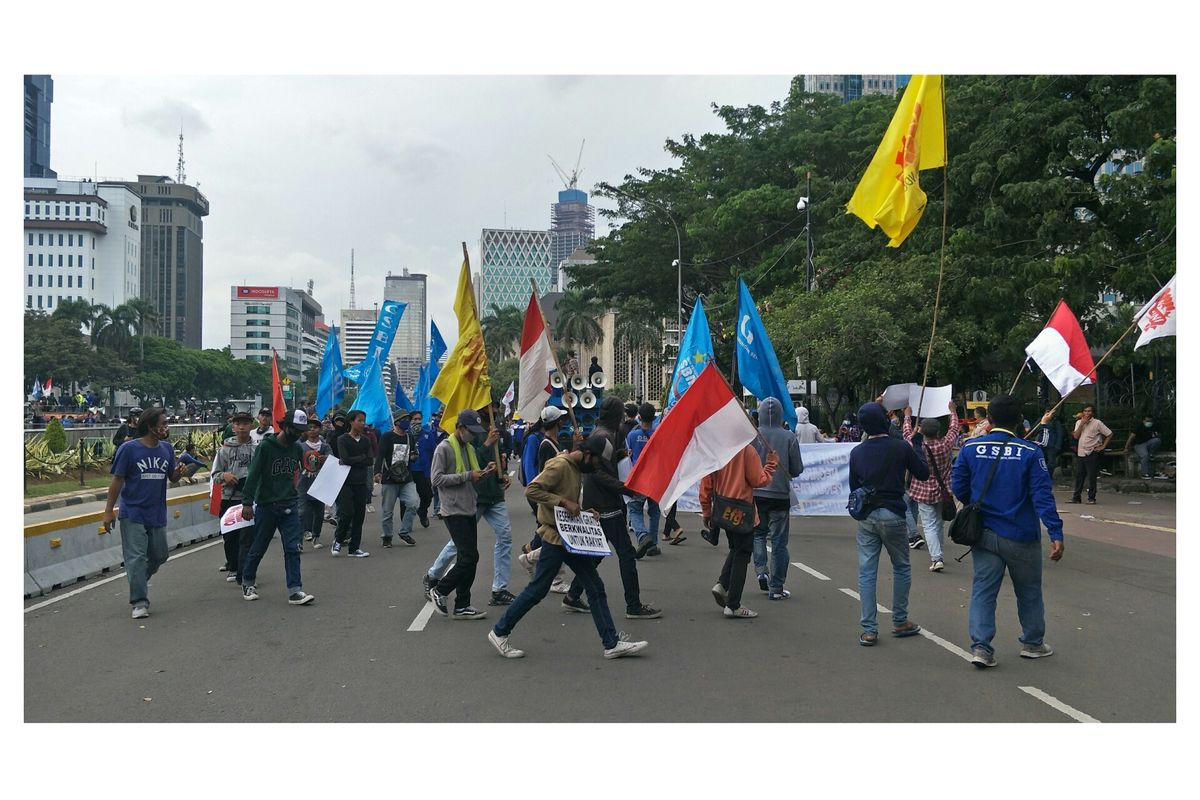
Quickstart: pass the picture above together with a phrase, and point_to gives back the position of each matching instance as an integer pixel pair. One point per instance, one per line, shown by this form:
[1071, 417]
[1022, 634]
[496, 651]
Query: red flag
[278, 409]
[1061, 352]
[214, 500]
[704, 431]
[537, 362]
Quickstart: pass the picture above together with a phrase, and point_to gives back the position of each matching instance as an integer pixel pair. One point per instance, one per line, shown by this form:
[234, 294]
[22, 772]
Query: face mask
[415, 427]
[1148, 424]
[404, 425]
[587, 466]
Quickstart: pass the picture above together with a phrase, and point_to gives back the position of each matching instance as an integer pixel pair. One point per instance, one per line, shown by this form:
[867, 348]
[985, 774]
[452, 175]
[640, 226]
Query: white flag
[1157, 318]
[508, 396]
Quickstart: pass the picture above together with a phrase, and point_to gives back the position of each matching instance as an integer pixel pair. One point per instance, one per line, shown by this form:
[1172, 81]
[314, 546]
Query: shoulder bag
[967, 528]
[862, 500]
[948, 507]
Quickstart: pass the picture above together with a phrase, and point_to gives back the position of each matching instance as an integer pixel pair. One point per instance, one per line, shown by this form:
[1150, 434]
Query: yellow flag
[889, 194]
[463, 382]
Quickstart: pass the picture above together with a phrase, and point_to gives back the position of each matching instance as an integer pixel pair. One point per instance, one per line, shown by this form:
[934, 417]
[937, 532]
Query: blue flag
[695, 351]
[390, 313]
[757, 367]
[426, 403]
[372, 398]
[330, 388]
[399, 398]
[437, 345]
[37, 388]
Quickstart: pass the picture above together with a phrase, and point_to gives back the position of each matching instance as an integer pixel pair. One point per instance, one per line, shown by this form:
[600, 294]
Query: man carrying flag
[463, 383]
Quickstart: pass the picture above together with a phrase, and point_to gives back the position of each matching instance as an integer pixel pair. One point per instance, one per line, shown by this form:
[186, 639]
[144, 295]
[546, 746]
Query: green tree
[578, 322]
[143, 319]
[56, 437]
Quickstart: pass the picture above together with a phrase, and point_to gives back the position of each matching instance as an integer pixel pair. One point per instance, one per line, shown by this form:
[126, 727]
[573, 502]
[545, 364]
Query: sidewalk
[82, 496]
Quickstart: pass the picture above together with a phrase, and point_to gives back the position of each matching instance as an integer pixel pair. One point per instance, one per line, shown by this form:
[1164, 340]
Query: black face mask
[587, 465]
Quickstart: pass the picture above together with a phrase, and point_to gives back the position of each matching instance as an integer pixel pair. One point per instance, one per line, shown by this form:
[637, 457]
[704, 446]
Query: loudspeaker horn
[578, 382]
[599, 380]
[587, 399]
[570, 399]
[556, 380]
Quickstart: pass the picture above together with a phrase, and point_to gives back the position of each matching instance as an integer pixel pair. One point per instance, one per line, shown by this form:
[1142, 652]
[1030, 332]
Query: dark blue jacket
[427, 442]
[1020, 492]
[529, 469]
[867, 459]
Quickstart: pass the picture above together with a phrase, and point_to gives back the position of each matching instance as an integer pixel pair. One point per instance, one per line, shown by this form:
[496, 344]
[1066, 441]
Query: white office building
[408, 348]
[266, 318]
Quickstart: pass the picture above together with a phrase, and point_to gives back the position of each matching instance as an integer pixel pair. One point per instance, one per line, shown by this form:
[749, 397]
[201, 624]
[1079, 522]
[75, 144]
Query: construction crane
[571, 180]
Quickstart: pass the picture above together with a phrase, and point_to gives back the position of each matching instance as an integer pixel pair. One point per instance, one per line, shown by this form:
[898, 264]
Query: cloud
[411, 161]
[167, 118]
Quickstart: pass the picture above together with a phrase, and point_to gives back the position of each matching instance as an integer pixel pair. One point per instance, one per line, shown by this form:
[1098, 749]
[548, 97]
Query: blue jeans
[407, 494]
[496, 516]
[1145, 452]
[775, 518]
[638, 521]
[552, 558]
[1024, 563]
[269, 517]
[883, 528]
[144, 550]
[911, 519]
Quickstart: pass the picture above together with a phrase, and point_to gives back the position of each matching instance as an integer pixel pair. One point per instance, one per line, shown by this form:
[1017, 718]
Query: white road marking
[810, 571]
[953, 648]
[120, 574]
[1057, 704]
[854, 594]
[419, 623]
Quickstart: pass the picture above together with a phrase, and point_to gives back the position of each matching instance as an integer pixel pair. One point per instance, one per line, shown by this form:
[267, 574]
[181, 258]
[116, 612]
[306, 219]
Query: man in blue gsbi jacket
[1018, 496]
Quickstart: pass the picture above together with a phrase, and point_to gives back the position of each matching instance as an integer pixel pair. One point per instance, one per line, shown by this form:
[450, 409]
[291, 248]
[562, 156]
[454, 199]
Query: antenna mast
[351, 278]
[180, 173]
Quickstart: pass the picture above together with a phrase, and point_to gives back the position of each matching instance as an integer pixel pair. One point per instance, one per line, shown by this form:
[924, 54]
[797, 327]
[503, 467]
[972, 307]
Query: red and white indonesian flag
[704, 431]
[1061, 352]
[537, 360]
[1157, 318]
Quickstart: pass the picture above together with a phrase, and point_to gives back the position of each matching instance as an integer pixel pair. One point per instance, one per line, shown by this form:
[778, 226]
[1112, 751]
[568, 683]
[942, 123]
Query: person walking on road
[232, 464]
[1010, 475]
[427, 441]
[879, 462]
[644, 513]
[270, 500]
[775, 500]
[393, 471]
[1093, 437]
[354, 450]
[928, 494]
[141, 469]
[559, 485]
[312, 511]
[264, 425]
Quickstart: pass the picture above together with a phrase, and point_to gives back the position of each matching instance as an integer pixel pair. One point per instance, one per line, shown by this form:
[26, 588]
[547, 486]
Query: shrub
[56, 437]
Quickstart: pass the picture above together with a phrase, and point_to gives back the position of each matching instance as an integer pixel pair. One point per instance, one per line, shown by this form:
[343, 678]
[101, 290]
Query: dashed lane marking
[810, 571]
[422, 619]
[1059, 705]
[854, 594]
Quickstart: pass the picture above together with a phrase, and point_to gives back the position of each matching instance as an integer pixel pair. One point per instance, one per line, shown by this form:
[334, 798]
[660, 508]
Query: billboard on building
[260, 292]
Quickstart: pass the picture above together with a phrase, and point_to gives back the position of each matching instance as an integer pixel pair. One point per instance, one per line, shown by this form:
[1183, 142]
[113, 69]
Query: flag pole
[757, 432]
[1102, 358]
[1020, 372]
[553, 355]
[937, 302]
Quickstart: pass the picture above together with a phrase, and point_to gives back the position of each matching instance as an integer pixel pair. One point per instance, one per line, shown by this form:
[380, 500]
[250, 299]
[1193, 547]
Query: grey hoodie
[783, 442]
[806, 432]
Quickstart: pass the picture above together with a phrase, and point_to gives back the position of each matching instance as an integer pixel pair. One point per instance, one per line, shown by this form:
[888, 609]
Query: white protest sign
[581, 535]
[935, 403]
[232, 519]
[328, 483]
[896, 396]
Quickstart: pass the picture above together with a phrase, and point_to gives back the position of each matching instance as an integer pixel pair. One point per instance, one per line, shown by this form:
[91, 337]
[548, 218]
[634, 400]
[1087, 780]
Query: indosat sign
[260, 292]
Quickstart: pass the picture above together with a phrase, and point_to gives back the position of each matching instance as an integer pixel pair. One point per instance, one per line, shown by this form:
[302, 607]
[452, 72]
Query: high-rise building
[82, 242]
[572, 225]
[853, 87]
[39, 94]
[358, 326]
[408, 348]
[173, 254]
[563, 273]
[508, 259]
[266, 318]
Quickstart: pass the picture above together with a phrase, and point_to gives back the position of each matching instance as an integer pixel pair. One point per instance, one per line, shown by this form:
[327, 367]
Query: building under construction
[572, 225]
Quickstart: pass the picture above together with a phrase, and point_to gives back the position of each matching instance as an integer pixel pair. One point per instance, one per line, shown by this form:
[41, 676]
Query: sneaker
[427, 583]
[654, 551]
[359, 554]
[300, 599]
[560, 586]
[525, 561]
[308, 536]
[424, 518]
[223, 568]
[249, 593]
[1091, 501]
[764, 581]
[1074, 500]
[622, 636]
[643, 612]
[470, 612]
[625, 649]
[317, 544]
[408, 540]
[300, 547]
[719, 594]
[336, 549]
[503, 647]
[1145, 477]
[643, 545]
[140, 612]
[231, 577]
[916, 544]
[782, 594]
[438, 600]
[740, 613]
[501, 598]
[937, 566]
[370, 508]
[1036, 651]
[982, 658]
[385, 543]
[578, 606]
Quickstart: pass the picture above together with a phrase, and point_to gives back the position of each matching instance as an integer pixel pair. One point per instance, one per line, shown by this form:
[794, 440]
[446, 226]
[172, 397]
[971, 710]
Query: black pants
[670, 524]
[424, 491]
[1086, 467]
[733, 573]
[352, 510]
[465, 535]
[616, 530]
[231, 539]
[312, 515]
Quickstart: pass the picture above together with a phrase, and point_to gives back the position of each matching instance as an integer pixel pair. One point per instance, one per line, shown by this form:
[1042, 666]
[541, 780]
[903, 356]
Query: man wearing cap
[455, 471]
[393, 471]
[271, 485]
[128, 429]
[264, 425]
[559, 485]
[230, 467]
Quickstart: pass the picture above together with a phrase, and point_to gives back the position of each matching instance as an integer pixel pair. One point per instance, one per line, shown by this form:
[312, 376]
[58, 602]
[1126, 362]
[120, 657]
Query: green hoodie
[273, 472]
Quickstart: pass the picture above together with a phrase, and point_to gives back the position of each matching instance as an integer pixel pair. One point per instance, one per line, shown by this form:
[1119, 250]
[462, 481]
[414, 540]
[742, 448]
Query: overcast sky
[299, 170]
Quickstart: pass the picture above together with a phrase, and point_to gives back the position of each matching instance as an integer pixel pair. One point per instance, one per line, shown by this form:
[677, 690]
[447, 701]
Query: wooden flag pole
[553, 355]
[1102, 358]
[475, 308]
[937, 301]
[1020, 372]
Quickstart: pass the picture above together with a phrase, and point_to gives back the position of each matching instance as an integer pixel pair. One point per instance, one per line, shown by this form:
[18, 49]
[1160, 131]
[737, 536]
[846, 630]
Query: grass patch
[44, 488]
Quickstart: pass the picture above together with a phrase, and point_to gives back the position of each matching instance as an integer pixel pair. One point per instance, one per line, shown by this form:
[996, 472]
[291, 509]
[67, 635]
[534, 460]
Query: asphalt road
[368, 649]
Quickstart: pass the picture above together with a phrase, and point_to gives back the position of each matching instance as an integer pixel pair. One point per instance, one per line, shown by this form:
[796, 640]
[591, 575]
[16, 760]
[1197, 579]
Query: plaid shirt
[928, 491]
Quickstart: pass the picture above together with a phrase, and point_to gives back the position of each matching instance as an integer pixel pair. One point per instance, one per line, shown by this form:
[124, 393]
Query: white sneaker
[308, 536]
[300, 598]
[249, 593]
[470, 612]
[335, 549]
[741, 613]
[140, 612]
[937, 566]
[528, 563]
[503, 647]
[625, 649]
[560, 586]
[231, 577]
[370, 508]
[317, 544]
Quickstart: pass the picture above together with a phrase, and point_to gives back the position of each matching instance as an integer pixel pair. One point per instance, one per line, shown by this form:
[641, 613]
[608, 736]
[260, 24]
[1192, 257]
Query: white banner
[581, 535]
[822, 489]
[328, 483]
[232, 519]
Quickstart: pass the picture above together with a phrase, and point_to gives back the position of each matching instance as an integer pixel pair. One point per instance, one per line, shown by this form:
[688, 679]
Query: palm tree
[77, 311]
[502, 332]
[143, 317]
[110, 328]
[578, 321]
[638, 329]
